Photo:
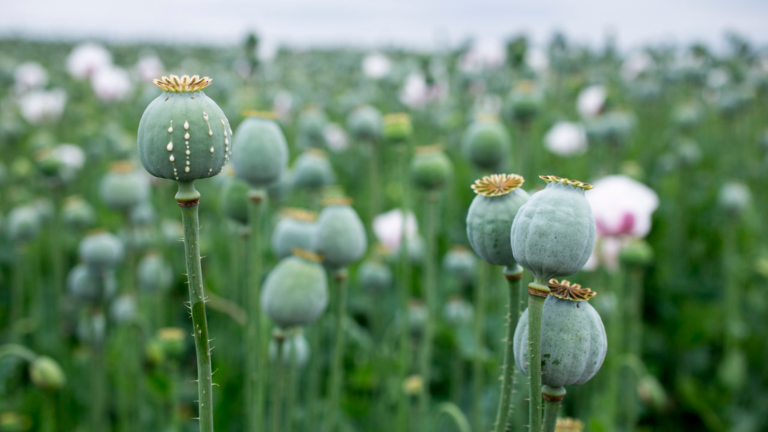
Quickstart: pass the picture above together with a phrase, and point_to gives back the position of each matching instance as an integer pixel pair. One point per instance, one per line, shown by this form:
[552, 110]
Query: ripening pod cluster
[183, 135]
[260, 154]
[431, 169]
[573, 339]
[553, 234]
[491, 215]
[365, 123]
[124, 187]
[486, 143]
[296, 229]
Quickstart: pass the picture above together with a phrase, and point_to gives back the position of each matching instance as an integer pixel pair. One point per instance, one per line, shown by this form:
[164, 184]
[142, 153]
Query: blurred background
[663, 106]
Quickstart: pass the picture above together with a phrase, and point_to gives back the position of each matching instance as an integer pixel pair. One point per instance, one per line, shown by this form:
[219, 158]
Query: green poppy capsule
[311, 128]
[23, 223]
[365, 123]
[101, 251]
[77, 214]
[295, 292]
[486, 143]
[340, 236]
[461, 264]
[260, 154]
[397, 127]
[123, 187]
[154, 273]
[183, 135]
[431, 168]
[312, 170]
[86, 286]
[234, 200]
[374, 275]
[296, 229]
[46, 373]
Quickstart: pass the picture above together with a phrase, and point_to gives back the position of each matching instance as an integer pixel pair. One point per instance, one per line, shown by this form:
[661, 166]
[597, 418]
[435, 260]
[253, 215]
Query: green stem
[188, 199]
[17, 307]
[553, 397]
[374, 195]
[634, 339]
[256, 383]
[315, 367]
[537, 292]
[292, 381]
[11, 349]
[404, 293]
[174, 392]
[430, 298]
[478, 378]
[616, 338]
[454, 413]
[279, 384]
[339, 282]
[514, 277]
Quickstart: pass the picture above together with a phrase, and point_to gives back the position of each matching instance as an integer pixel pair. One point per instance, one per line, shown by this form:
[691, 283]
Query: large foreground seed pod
[490, 217]
[183, 135]
[312, 170]
[101, 251]
[553, 234]
[397, 127]
[296, 350]
[431, 168]
[461, 264]
[340, 237]
[374, 275]
[260, 153]
[23, 223]
[365, 123]
[296, 229]
[87, 286]
[295, 292]
[486, 143]
[234, 200]
[124, 187]
[154, 273]
[573, 339]
[311, 127]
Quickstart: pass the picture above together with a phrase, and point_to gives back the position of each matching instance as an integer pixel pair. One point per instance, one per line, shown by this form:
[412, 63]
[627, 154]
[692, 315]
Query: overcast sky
[409, 22]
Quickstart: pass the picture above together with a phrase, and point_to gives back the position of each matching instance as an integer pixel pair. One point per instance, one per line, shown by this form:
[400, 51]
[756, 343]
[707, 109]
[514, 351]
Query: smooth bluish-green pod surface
[312, 170]
[101, 251]
[234, 200]
[183, 135]
[124, 187]
[461, 264]
[154, 273]
[573, 338]
[374, 275]
[23, 223]
[87, 286]
[295, 292]
[365, 123]
[296, 350]
[296, 229]
[431, 168]
[311, 127]
[340, 237]
[490, 217]
[486, 143]
[260, 153]
[77, 214]
[553, 234]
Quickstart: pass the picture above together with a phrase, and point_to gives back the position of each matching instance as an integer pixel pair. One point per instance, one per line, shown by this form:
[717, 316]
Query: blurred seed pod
[260, 152]
[23, 224]
[461, 264]
[295, 293]
[637, 253]
[173, 341]
[91, 329]
[486, 143]
[311, 128]
[734, 197]
[123, 309]
[568, 424]
[143, 214]
[688, 152]
[458, 312]
[296, 229]
[172, 232]
[417, 317]
[340, 237]
[365, 123]
[430, 168]
[296, 350]
[524, 102]
[155, 274]
[124, 187]
[397, 127]
[14, 422]
[234, 200]
[77, 214]
[45, 209]
[101, 251]
[374, 275]
[46, 373]
[312, 170]
[688, 115]
[183, 134]
[85, 286]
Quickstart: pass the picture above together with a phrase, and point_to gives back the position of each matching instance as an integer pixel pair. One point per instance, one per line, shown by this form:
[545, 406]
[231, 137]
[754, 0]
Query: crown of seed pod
[397, 127]
[296, 350]
[101, 251]
[568, 424]
[183, 135]
[365, 123]
[553, 234]
[460, 263]
[154, 273]
[311, 127]
[123, 187]
[490, 216]
[86, 286]
[340, 236]
[23, 223]
[295, 292]
[312, 170]
[296, 229]
[431, 168]
[77, 214]
[573, 339]
[234, 199]
[260, 154]
[46, 373]
[374, 275]
[486, 143]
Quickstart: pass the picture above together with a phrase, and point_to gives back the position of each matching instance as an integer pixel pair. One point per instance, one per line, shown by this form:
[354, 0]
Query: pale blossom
[149, 67]
[566, 139]
[388, 228]
[70, 155]
[635, 65]
[376, 65]
[416, 93]
[591, 100]
[335, 137]
[267, 50]
[111, 83]
[86, 59]
[481, 56]
[42, 106]
[282, 104]
[30, 76]
[537, 59]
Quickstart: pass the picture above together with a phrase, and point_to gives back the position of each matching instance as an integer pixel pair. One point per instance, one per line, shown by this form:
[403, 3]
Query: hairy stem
[255, 364]
[514, 276]
[537, 292]
[478, 378]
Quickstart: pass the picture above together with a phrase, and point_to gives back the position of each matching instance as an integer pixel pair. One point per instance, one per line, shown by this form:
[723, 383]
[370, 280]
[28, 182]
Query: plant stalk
[537, 293]
[553, 398]
[255, 364]
[335, 381]
[514, 277]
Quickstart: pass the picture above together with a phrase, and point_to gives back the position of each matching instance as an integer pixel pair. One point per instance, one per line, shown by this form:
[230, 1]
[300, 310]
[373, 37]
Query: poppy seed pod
[486, 143]
[553, 234]
[490, 217]
[312, 170]
[101, 251]
[23, 223]
[397, 127]
[87, 286]
[46, 373]
[431, 168]
[295, 292]
[311, 127]
[295, 230]
[172, 340]
[183, 135]
[460, 263]
[458, 311]
[374, 275]
[234, 200]
[573, 339]
[154, 273]
[524, 102]
[77, 214]
[260, 153]
[123, 187]
[296, 350]
[340, 237]
[365, 123]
